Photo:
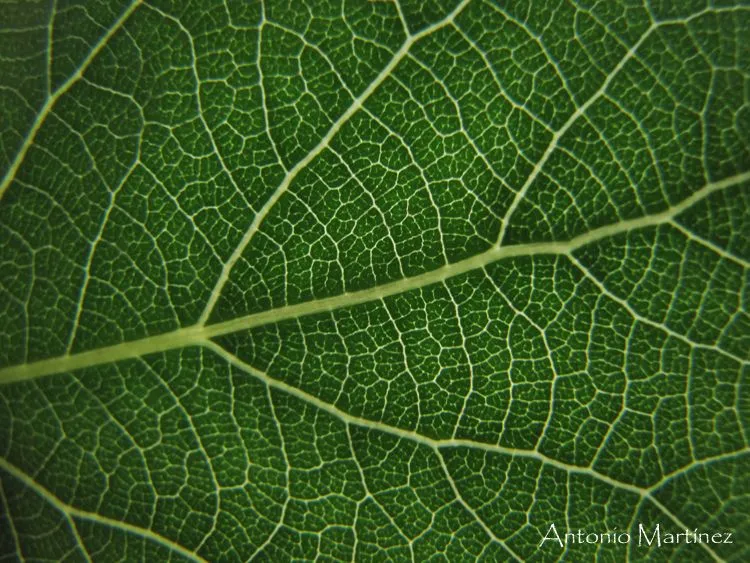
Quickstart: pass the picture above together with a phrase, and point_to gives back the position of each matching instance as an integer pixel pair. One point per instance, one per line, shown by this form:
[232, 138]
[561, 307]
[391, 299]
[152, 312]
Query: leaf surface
[373, 280]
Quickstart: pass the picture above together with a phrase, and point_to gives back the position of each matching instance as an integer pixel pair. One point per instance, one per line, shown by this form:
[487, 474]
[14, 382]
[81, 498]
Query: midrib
[200, 334]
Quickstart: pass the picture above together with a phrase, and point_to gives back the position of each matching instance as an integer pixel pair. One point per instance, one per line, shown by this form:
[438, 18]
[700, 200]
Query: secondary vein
[355, 106]
[72, 512]
[49, 104]
[199, 333]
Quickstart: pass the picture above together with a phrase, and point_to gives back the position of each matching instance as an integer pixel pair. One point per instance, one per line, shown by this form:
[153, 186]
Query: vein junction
[200, 333]
[73, 513]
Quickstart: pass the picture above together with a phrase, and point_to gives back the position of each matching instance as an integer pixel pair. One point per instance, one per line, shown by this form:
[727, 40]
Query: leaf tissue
[351, 280]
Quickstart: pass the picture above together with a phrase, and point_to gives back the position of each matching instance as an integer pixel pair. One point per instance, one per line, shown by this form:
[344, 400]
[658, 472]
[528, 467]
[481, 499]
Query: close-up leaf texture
[353, 280]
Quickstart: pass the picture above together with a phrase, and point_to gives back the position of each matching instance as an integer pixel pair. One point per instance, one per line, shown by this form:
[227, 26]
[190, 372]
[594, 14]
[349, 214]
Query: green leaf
[373, 280]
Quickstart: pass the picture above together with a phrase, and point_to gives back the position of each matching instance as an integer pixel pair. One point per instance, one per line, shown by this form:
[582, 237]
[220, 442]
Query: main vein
[199, 333]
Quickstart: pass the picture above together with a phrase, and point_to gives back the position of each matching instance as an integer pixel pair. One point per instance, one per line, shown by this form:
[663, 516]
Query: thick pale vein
[581, 110]
[319, 148]
[50, 44]
[640, 318]
[41, 117]
[410, 434]
[199, 333]
[697, 463]
[690, 235]
[71, 512]
[645, 494]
